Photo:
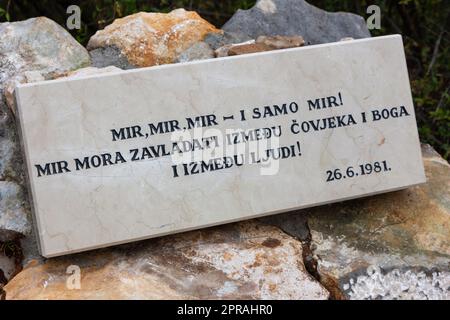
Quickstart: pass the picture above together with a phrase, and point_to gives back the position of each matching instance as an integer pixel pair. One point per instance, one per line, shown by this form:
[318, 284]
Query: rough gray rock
[199, 51]
[29, 249]
[296, 17]
[39, 44]
[30, 49]
[109, 56]
[14, 209]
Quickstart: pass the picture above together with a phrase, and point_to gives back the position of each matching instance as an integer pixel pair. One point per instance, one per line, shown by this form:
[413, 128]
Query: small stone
[281, 42]
[223, 51]
[347, 39]
[148, 38]
[262, 43]
[199, 51]
[248, 48]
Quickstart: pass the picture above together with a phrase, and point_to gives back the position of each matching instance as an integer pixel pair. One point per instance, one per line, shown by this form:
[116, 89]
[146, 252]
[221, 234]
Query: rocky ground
[390, 246]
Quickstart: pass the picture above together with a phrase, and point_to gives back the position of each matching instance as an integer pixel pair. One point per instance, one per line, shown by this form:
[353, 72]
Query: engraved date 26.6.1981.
[358, 170]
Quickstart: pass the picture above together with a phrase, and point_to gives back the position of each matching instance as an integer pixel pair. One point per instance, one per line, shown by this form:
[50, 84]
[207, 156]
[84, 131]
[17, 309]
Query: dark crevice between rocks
[311, 264]
[11, 249]
[327, 282]
[3, 281]
[296, 225]
[8, 177]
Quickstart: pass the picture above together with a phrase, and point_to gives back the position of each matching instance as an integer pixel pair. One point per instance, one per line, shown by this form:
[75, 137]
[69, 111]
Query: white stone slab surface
[131, 155]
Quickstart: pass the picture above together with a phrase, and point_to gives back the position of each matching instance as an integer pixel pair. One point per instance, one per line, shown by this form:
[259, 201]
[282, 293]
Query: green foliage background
[424, 24]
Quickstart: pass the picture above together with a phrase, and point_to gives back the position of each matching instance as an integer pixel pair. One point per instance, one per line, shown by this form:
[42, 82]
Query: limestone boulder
[148, 38]
[38, 44]
[246, 260]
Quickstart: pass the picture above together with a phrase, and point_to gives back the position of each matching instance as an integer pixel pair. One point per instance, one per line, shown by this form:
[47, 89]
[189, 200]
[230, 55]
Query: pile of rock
[395, 245]
[146, 39]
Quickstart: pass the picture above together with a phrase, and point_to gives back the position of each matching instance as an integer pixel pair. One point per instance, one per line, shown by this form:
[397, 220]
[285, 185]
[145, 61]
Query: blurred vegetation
[424, 24]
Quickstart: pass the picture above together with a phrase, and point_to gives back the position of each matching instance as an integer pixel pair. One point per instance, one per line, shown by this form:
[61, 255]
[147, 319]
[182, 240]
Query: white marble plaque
[130, 155]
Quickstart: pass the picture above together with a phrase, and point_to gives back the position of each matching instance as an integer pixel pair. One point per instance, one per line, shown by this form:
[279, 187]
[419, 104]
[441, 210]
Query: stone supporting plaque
[130, 155]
